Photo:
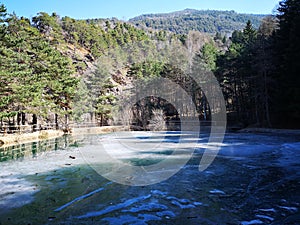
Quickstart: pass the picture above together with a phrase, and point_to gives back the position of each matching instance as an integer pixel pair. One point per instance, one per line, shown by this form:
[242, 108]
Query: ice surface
[80, 198]
[15, 190]
[290, 152]
[141, 219]
[268, 210]
[183, 206]
[114, 207]
[125, 219]
[166, 213]
[264, 217]
[216, 191]
[147, 207]
[252, 222]
[250, 172]
[290, 209]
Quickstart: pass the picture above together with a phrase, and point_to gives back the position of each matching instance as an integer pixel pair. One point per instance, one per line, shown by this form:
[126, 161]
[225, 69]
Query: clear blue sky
[126, 9]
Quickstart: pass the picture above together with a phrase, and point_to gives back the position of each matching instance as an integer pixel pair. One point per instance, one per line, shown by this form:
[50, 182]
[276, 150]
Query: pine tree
[100, 86]
[288, 53]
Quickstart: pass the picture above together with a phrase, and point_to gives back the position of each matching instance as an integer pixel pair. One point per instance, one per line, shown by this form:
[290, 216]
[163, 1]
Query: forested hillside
[209, 21]
[56, 69]
[59, 70]
[42, 62]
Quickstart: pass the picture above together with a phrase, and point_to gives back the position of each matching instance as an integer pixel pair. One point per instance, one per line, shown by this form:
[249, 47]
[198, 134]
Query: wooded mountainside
[58, 69]
[209, 21]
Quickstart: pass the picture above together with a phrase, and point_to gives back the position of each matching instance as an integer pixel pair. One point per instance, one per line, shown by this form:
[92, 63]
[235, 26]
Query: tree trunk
[56, 121]
[19, 118]
[34, 122]
[23, 118]
[101, 120]
[266, 96]
[66, 122]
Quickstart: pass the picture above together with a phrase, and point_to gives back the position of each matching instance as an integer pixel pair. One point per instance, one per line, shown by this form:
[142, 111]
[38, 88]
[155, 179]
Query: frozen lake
[254, 179]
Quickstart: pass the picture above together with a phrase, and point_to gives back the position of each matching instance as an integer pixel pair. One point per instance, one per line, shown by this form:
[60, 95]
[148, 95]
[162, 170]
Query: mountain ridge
[208, 21]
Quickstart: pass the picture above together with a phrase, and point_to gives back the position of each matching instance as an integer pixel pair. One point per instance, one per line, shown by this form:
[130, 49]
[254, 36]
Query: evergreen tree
[101, 91]
[208, 54]
[35, 77]
[288, 54]
[237, 76]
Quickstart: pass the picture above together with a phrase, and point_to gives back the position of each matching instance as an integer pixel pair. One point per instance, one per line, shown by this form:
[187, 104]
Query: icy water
[255, 179]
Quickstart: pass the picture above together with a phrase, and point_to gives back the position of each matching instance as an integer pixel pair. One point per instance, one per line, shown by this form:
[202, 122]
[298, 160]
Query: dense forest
[209, 21]
[57, 70]
[259, 73]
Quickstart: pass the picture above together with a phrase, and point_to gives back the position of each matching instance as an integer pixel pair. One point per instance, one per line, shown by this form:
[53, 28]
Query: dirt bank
[12, 139]
[98, 130]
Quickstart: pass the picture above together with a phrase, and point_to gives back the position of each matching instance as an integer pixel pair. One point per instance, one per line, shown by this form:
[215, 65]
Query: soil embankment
[98, 130]
[12, 139]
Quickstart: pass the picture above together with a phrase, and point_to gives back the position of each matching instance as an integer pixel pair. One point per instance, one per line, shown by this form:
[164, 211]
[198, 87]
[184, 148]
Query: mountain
[209, 21]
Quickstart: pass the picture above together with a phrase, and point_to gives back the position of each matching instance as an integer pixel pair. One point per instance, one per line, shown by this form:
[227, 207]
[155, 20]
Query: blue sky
[81, 9]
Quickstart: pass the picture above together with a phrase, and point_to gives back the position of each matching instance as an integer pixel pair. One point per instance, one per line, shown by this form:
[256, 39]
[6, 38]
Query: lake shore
[12, 139]
[270, 130]
[98, 130]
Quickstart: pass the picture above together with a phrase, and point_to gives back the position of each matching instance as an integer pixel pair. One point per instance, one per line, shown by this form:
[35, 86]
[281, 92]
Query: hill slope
[209, 21]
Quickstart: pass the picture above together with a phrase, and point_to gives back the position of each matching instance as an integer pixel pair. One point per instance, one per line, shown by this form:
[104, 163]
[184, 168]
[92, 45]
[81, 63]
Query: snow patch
[264, 217]
[114, 207]
[290, 209]
[216, 191]
[268, 210]
[252, 222]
